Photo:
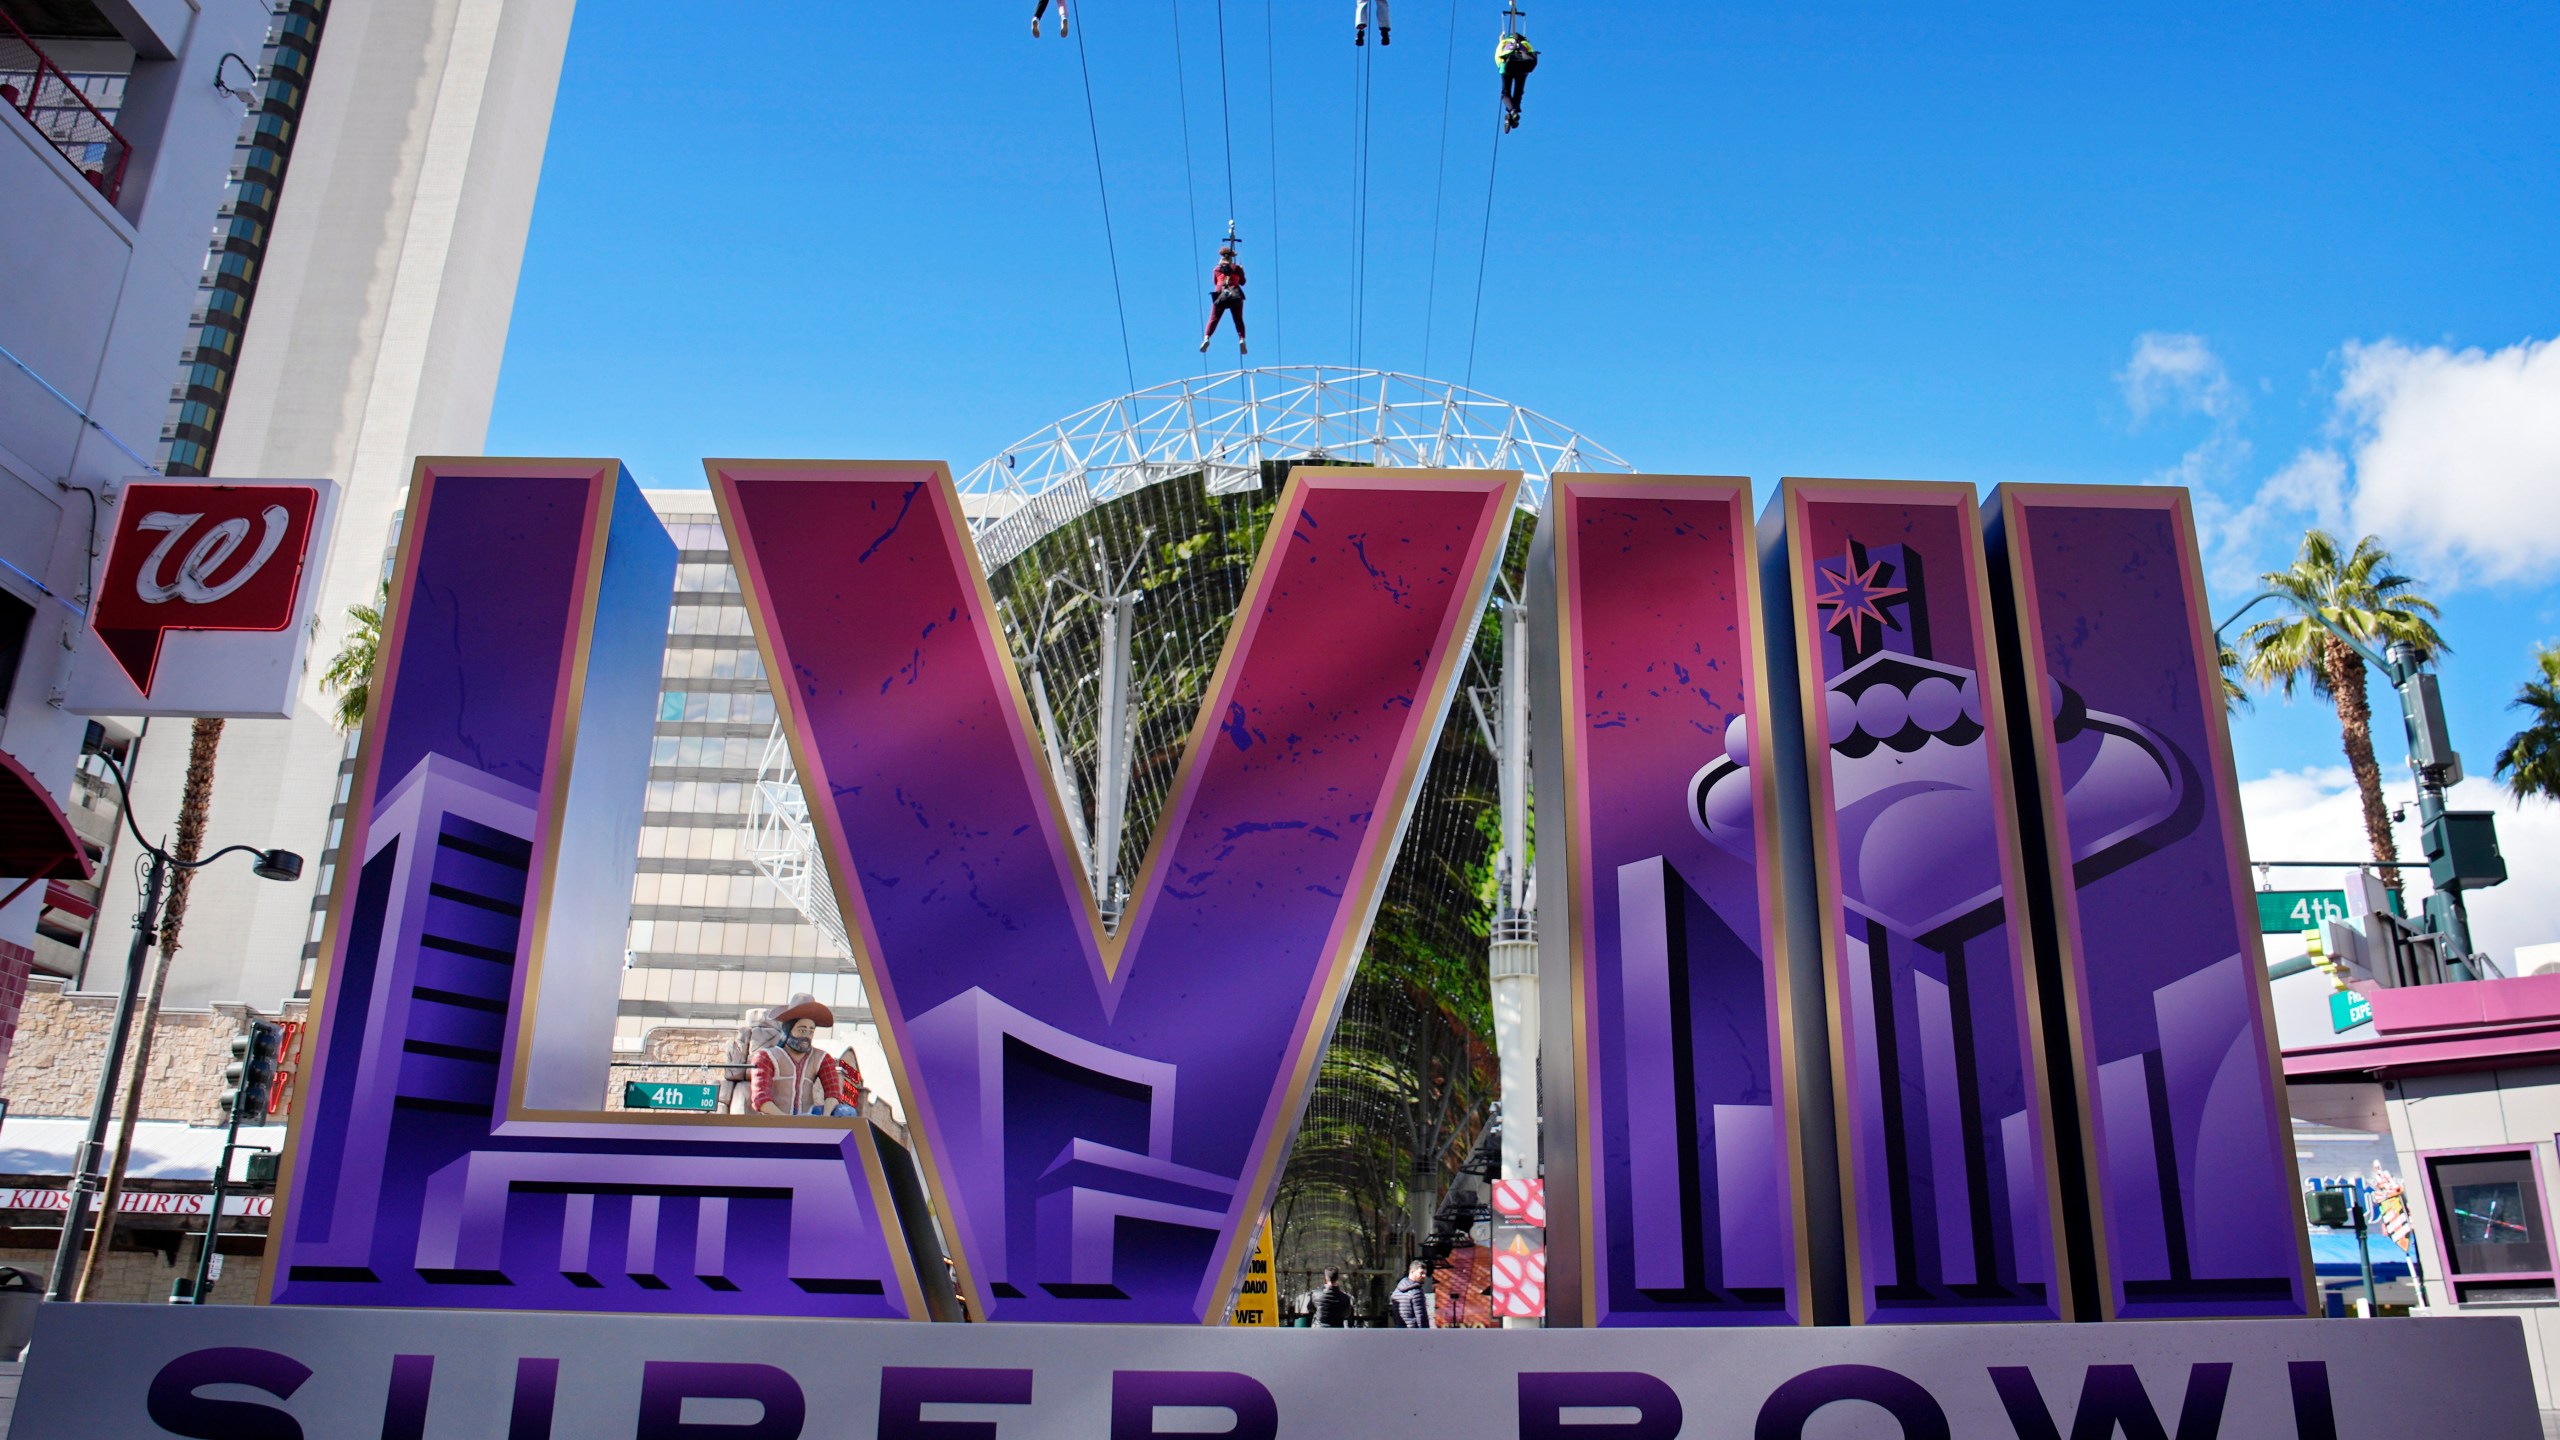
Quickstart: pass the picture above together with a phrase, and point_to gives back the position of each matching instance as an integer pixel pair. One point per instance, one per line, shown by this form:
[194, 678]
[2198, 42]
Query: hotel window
[2490, 1220]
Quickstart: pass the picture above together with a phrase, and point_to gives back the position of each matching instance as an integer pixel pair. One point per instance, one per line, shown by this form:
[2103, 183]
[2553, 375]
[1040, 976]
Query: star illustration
[1854, 594]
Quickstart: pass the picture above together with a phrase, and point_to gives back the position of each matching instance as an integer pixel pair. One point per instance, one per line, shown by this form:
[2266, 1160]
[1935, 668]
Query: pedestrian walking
[1412, 1299]
[1332, 1307]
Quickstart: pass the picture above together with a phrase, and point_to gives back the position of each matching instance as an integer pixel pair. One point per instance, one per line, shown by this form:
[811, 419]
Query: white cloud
[2315, 815]
[2177, 373]
[2173, 374]
[2457, 453]
[2451, 456]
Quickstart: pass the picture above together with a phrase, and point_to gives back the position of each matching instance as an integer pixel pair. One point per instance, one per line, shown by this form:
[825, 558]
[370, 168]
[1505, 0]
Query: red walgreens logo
[200, 557]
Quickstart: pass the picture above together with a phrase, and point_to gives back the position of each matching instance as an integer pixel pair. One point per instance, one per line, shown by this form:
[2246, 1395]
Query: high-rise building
[711, 935]
[387, 282]
[116, 122]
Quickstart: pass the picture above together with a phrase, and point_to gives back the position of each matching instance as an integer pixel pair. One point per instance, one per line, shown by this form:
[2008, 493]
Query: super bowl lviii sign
[1897, 975]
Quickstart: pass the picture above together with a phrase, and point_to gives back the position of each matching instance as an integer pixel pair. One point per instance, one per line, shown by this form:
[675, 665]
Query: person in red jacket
[1226, 295]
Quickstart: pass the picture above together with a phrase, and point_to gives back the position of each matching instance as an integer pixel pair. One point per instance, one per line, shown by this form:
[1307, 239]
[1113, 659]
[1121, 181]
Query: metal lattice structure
[1227, 426]
[1107, 474]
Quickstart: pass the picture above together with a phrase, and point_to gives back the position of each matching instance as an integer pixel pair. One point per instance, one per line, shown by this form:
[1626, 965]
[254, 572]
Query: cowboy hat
[804, 1007]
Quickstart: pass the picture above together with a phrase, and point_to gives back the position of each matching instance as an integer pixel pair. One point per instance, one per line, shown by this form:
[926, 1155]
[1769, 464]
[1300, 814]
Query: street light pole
[2364, 1255]
[158, 862]
[84, 1168]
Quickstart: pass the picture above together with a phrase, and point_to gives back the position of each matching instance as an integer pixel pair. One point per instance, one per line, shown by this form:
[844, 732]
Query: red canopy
[36, 839]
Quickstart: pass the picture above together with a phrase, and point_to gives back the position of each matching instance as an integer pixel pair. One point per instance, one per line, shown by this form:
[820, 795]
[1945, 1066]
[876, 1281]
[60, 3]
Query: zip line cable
[1483, 246]
[1111, 246]
[1182, 93]
[1431, 289]
[1271, 129]
[1363, 75]
[1226, 116]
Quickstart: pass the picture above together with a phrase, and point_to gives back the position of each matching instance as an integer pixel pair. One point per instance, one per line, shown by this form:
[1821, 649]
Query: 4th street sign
[2286, 912]
[647, 1095]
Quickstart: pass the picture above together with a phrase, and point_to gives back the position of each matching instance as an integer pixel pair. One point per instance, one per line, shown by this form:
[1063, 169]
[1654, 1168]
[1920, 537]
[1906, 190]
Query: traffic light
[2328, 1207]
[252, 1071]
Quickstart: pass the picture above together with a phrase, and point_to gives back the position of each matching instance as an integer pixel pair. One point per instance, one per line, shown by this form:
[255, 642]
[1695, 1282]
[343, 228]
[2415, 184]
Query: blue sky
[2298, 256]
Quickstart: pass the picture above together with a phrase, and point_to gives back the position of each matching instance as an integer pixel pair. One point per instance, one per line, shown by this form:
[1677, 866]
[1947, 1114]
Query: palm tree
[195, 806]
[2234, 697]
[2530, 760]
[350, 672]
[2360, 593]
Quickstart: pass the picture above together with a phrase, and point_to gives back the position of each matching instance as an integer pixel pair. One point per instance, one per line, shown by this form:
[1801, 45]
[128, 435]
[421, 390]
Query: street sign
[650, 1095]
[2284, 912]
[2349, 1009]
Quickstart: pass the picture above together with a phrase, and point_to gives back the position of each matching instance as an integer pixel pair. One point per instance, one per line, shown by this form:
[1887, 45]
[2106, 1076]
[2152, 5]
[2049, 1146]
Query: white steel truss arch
[1223, 427]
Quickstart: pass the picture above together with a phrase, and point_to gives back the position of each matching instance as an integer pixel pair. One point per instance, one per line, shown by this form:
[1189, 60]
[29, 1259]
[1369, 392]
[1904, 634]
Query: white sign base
[283, 1371]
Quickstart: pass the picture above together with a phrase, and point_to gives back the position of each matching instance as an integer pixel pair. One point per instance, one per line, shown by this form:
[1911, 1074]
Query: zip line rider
[1515, 57]
[1360, 23]
[1226, 295]
[1041, 7]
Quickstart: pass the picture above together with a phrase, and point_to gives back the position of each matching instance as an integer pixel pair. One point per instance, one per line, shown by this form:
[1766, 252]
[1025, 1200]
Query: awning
[2333, 1254]
[36, 841]
[41, 1149]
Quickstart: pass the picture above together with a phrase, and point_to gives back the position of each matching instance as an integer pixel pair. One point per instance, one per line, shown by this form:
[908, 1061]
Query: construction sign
[1522, 1202]
[1519, 1273]
[1255, 1302]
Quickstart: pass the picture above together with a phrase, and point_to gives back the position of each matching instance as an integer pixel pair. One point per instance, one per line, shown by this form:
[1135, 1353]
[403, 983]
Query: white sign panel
[277, 1371]
[203, 606]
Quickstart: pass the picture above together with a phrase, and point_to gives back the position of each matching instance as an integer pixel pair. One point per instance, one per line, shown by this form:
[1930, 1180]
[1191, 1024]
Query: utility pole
[1117, 598]
[1502, 714]
[2364, 1255]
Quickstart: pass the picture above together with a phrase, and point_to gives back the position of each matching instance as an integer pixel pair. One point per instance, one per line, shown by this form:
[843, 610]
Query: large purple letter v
[1077, 1180]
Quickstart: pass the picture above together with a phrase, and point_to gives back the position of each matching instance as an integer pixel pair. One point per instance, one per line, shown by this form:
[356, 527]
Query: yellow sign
[1255, 1303]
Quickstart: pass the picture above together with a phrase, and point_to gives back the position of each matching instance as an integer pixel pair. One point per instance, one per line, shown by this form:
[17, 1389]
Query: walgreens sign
[204, 603]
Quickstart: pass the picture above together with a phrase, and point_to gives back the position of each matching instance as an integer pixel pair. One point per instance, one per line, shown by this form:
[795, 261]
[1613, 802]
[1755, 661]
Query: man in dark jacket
[1332, 1305]
[1412, 1299]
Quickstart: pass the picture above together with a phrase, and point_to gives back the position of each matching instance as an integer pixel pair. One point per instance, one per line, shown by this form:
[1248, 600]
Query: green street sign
[2290, 912]
[650, 1095]
[2347, 1010]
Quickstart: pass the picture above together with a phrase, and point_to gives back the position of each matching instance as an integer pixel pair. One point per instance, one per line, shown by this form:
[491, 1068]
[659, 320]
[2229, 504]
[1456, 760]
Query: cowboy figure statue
[793, 1076]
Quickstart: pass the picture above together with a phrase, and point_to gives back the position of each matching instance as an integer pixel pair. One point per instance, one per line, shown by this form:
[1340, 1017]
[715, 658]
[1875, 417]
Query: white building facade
[381, 318]
[118, 123]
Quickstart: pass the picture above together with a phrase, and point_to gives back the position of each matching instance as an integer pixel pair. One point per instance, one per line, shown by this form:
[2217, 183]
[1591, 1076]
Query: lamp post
[158, 862]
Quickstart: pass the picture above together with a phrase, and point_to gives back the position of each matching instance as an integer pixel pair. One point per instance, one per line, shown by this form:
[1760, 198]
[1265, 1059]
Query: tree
[350, 673]
[2530, 760]
[2357, 591]
[195, 805]
[2234, 697]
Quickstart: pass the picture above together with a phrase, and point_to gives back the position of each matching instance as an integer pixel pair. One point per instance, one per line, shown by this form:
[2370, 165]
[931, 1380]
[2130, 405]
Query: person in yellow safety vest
[1515, 57]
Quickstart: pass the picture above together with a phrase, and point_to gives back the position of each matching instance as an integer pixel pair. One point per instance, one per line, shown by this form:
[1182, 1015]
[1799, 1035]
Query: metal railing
[63, 107]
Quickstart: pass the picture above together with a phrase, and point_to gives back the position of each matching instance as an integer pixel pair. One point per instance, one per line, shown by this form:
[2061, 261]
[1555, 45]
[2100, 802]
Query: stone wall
[17, 963]
[674, 1054]
[52, 1068]
[142, 1277]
